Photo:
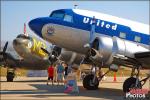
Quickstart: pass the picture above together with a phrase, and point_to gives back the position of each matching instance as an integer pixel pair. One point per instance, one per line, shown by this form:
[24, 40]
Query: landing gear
[134, 82]
[10, 74]
[88, 82]
[130, 84]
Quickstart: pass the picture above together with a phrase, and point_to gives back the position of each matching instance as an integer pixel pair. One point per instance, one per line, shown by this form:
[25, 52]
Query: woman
[60, 73]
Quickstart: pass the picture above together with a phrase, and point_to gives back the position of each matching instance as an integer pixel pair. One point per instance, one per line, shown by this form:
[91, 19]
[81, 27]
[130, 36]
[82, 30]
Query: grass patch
[121, 72]
[18, 72]
[124, 72]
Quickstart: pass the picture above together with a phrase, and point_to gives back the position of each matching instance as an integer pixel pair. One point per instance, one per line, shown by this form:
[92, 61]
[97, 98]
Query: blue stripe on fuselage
[78, 23]
[130, 35]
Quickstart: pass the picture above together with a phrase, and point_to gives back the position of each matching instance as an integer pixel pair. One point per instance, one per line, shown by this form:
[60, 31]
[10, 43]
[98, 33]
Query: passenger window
[68, 18]
[137, 39]
[122, 35]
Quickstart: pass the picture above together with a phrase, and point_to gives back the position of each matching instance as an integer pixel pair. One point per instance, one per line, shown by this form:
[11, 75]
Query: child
[71, 83]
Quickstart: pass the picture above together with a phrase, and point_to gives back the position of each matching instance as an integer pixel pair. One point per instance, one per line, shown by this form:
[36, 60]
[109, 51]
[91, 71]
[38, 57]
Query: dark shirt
[66, 70]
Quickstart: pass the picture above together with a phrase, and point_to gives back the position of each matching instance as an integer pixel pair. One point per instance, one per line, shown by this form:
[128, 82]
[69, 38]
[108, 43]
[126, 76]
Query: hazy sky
[15, 13]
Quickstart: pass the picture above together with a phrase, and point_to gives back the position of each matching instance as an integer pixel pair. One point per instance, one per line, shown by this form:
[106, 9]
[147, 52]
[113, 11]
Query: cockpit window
[61, 15]
[58, 14]
[68, 18]
[24, 37]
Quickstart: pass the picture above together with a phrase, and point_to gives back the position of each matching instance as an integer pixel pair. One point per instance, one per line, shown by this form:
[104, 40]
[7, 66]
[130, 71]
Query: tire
[130, 83]
[88, 84]
[10, 77]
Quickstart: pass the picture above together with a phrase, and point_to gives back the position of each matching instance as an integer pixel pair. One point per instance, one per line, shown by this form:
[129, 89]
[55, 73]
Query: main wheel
[10, 77]
[129, 84]
[88, 82]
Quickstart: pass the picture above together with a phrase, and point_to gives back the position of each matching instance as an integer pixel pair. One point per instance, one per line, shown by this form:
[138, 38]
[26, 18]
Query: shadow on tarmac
[26, 80]
[44, 91]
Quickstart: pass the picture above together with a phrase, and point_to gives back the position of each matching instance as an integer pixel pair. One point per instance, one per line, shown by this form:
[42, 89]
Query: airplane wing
[142, 55]
[144, 58]
[7, 59]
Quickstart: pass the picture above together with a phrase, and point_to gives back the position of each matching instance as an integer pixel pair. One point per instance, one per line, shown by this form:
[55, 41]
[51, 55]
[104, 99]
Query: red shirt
[50, 71]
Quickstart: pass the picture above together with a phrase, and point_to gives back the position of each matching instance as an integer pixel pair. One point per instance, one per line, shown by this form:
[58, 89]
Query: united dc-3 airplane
[104, 40]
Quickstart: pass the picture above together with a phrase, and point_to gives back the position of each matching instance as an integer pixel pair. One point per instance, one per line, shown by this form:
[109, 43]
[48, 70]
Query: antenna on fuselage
[24, 30]
[75, 6]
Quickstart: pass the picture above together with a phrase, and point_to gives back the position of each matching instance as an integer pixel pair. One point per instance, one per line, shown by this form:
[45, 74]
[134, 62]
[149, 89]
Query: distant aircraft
[31, 56]
[105, 40]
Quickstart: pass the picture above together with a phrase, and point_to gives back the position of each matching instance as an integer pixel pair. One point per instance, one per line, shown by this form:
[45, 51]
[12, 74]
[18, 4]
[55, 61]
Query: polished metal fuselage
[74, 39]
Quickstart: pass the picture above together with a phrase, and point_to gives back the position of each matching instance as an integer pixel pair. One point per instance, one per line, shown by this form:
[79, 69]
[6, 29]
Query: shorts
[65, 76]
[59, 76]
[50, 77]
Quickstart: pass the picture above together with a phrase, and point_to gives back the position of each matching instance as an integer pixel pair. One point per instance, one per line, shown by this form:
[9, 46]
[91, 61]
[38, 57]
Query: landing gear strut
[10, 74]
[91, 82]
[134, 82]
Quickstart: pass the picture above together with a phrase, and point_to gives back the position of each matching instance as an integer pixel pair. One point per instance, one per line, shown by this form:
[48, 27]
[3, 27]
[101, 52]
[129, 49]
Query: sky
[15, 13]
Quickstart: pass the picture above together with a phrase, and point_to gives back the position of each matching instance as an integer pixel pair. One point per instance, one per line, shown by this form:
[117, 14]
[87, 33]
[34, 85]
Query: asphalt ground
[31, 88]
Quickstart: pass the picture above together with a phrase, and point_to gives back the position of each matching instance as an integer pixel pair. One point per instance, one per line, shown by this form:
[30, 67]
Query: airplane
[103, 39]
[30, 56]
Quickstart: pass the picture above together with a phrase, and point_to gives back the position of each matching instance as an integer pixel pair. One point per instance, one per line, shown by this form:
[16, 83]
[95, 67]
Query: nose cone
[36, 25]
[16, 42]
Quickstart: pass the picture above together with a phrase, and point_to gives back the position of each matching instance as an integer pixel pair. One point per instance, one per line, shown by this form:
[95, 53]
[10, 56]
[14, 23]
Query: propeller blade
[3, 56]
[1, 53]
[5, 47]
[92, 32]
[44, 50]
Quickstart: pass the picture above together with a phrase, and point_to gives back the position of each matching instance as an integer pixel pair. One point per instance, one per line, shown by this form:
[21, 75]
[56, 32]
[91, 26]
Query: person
[65, 70]
[60, 72]
[50, 74]
[71, 82]
[69, 68]
[55, 73]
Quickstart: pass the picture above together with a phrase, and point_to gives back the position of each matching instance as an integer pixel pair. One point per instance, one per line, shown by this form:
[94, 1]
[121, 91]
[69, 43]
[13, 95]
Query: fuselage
[70, 29]
[29, 49]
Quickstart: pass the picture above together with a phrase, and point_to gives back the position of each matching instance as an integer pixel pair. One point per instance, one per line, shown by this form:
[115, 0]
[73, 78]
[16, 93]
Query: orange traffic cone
[115, 79]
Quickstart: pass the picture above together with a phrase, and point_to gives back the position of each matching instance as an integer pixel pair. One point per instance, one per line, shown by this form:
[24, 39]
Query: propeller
[92, 32]
[114, 51]
[44, 50]
[91, 38]
[52, 55]
[5, 47]
[3, 53]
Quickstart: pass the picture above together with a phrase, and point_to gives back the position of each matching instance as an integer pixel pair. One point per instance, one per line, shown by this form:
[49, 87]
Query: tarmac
[31, 88]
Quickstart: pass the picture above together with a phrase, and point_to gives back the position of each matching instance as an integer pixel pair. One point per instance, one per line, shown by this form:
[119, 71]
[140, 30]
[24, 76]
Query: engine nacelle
[70, 56]
[104, 48]
[101, 50]
[95, 55]
[67, 56]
